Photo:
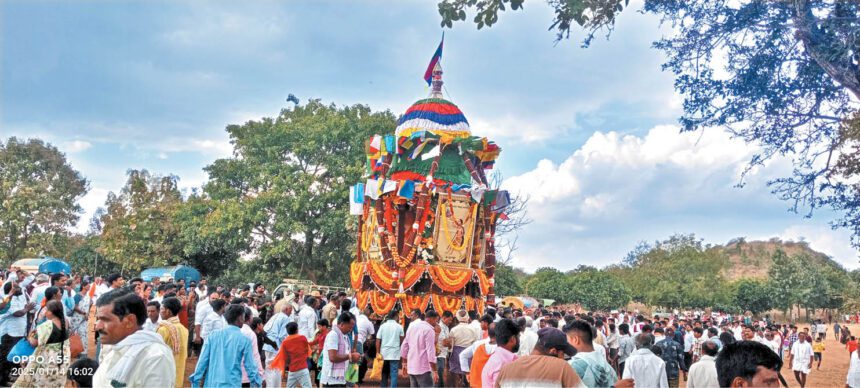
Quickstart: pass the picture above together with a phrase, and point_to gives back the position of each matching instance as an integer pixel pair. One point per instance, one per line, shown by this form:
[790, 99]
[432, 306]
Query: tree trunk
[837, 67]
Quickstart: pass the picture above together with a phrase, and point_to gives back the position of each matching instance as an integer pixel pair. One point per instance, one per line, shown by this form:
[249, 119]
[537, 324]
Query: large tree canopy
[285, 189]
[782, 74]
[39, 191]
[138, 227]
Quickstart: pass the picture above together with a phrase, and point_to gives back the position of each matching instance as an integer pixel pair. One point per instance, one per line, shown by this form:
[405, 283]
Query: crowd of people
[146, 333]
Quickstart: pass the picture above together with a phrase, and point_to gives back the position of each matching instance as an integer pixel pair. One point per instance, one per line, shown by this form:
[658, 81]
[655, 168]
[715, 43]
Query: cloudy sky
[588, 134]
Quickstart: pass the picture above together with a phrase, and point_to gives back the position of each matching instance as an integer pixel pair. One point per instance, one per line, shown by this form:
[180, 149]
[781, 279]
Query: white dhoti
[273, 376]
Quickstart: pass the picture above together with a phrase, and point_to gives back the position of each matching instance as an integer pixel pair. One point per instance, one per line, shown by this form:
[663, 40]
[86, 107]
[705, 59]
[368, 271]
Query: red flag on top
[437, 56]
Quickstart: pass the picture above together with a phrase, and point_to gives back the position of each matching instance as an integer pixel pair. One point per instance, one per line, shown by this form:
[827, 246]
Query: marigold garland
[447, 303]
[361, 298]
[450, 279]
[412, 275]
[380, 274]
[356, 273]
[469, 303]
[420, 302]
[483, 281]
[382, 302]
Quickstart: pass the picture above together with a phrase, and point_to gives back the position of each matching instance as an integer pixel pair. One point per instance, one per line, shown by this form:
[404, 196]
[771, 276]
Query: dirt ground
[834, 365]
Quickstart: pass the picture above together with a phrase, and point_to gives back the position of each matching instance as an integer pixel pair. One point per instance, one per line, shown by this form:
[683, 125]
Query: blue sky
[587, 133]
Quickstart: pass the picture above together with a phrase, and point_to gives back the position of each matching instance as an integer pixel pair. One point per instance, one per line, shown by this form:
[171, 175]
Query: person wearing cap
[545, 366]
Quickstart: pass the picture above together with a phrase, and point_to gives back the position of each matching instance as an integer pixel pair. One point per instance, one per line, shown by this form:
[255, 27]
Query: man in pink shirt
[418, 352]
[507, 340]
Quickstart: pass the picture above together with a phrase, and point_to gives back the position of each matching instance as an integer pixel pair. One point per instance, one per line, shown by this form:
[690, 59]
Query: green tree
[39, 191]
[779, 74]
[598, 290]
[788, 279]
[138, 229]
[507, 283]
[287, 183]
[549, 283]
[675, 273]
[83, 256]
[753, 295]
[211, 234]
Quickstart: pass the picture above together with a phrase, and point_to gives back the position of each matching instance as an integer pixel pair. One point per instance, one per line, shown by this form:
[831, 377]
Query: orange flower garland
[382, 302]
[450, 279]
[420, 302]
[483, 281]
[361, 298]
[469, 303]
[446, 303]
[356, 273]
[380, 274]
[413, 273]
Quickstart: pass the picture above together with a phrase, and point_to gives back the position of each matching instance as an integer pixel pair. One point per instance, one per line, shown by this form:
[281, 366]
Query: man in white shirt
[153, 316]
[853, 378]
[801, 358]
[204, 306]
[645, 368]
[308, 318]
[38, 292]
[137, 358]
[13, 326]
[201, 290]
[388, 342]
[365, 331]
[276, 331]
[255, 350]
[703, 374]
[213, 319]
[528, 338]
[476, 325]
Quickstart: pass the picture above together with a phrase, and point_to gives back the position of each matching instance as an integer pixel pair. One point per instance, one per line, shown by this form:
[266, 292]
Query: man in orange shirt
[293, 354]
[851, 345]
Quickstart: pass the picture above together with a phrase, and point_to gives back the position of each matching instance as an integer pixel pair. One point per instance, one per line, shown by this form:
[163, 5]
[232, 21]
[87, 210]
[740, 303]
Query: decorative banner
[370, 241]
[381, 302]
[420, 302]
[412, 275]
[356, 273]
[361, 298]
[455, 227]
[447, 303]
[450, 279]
[483, 281]
[381, 275]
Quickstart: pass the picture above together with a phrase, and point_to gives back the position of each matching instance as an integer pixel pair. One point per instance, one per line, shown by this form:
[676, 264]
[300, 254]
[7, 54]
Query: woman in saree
[49, 362]
[80, 315]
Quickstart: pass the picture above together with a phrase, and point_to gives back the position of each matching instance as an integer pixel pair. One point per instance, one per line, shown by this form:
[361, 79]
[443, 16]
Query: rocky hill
[752, 259]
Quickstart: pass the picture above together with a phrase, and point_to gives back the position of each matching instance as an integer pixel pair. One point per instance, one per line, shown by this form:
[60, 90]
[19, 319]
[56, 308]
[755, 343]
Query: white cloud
[77, 146]
[216, 148]
[834, 243]
[616, 190]
[94, 199]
